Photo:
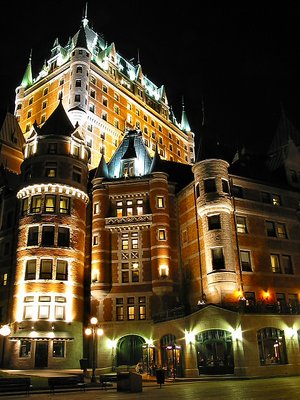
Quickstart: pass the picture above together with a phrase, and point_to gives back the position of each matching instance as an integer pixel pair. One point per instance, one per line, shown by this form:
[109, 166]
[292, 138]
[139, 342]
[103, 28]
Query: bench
[107, 380]
[15, 384]
[60, 382]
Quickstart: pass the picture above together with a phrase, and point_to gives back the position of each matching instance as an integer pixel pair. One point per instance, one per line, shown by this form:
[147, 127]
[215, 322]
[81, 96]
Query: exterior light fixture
[94, 330]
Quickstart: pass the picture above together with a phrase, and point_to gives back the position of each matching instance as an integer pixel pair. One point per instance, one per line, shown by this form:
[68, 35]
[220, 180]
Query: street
[252, 389]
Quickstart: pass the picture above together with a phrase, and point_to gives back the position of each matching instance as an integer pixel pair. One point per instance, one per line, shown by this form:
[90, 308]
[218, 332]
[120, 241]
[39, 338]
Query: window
[58, 349]
[139, 208]
[77, 98]
[50, 170]
[25, 348]
[119, 309]
[276, 201]
[30, 272]
[245, 260]
[36, 202]
[25, 206]
[271, 344]
[104, 88]
[129, 209]
[63, 238]
[59, 312]
[142, 307]
[95, 240]
[76, 151]
[44, 311]
[275, 263]
[48, 236]
[161, 234]
[270, 225]
[46, 269]
[130, 272]
[287, 264]
[281, 231]
[78, 83]
[241, 224]
[50, 203]
[64, 205]
[250, 299]
[217, 258]
[197, 190]
[214, 222]
[119, 205]
[210, 185]
[28, 312]
[130, 313]
[61, 270]
[33, 235]
[160, 202]
[79, 69]
[225, 186]
[128, 168]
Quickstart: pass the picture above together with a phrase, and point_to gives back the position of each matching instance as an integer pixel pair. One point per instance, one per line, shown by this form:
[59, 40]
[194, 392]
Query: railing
[135, 219]
[240, 307]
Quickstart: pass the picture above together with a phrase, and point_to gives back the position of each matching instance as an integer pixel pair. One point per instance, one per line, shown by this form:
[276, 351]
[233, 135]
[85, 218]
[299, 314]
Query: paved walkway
[252, 389]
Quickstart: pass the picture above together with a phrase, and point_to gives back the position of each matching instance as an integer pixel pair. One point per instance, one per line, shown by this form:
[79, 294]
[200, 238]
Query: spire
[102, 169]
[58, 123]
[81, 38]
[155, 161]
[27, 78]
[185, 126]
[138, 56]
[85, 21]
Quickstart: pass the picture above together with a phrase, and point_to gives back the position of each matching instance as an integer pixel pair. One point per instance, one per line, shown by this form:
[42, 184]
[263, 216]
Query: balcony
[139, 220]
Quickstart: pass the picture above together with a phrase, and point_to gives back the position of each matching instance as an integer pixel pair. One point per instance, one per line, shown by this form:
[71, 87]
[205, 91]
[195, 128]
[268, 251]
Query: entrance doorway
[41, 354]
[171, 356]
[214, 352]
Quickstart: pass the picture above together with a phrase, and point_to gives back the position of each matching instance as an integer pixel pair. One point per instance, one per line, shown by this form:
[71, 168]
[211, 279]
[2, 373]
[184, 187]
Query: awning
[41, 335]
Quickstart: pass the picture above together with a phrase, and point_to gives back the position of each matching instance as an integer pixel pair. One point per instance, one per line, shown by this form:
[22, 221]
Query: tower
[48, 297]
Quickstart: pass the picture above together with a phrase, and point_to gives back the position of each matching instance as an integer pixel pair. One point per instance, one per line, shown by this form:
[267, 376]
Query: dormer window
[128, 168]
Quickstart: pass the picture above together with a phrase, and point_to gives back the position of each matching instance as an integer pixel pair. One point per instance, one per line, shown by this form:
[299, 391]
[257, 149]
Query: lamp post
[94, 330]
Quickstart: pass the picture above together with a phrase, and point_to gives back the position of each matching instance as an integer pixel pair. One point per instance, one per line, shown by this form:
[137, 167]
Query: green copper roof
[27, 78]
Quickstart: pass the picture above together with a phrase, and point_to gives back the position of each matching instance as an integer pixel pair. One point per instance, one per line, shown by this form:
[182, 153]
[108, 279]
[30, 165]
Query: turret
[49, 283]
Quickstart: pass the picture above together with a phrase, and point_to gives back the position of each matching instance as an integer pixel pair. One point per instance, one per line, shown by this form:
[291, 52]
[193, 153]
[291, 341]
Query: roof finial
[84, 19]
[138, 56]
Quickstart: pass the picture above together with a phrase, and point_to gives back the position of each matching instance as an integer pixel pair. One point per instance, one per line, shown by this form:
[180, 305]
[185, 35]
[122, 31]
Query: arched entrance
[214, 352]
[129, 350]
[171, 356]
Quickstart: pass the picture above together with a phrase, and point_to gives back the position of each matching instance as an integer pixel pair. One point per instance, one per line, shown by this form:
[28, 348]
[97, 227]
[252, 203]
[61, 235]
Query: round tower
[162, 274]
[79, 79]
[48, 299]
[216, 216]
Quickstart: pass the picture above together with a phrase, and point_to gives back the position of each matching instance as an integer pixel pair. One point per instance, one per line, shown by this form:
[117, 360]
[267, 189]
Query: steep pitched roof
[58, 123]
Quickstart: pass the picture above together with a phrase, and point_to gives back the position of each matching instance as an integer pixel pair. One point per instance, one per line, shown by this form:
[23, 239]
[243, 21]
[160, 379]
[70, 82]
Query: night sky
[244, 60]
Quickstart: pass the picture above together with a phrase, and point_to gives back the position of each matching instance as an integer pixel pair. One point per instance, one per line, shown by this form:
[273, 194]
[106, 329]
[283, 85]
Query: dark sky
[244, 60]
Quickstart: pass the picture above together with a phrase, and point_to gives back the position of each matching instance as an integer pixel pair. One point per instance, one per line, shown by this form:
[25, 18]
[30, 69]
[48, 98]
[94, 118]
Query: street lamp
[94, 330]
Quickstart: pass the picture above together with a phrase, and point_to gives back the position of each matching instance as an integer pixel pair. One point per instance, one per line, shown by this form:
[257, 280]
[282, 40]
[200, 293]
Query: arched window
[271, 345]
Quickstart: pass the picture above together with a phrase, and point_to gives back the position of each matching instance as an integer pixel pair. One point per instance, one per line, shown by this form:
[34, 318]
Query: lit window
[59, 312]
[281, 231]
[36, 202]
[96, 208]
[25, 348]
[161, 234]
[28, 312]
[64, 205]
[142, 312]
[271, 345]
[276, 201]
[275, 263]
[241, 224]
[25, 206]
[160, 202]
[95, 240]
[44, 311]
[50, 203]
[130, 312]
